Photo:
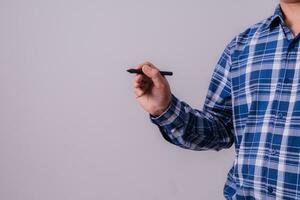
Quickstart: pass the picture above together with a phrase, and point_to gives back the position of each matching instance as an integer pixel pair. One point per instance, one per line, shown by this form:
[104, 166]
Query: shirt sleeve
[209, 128]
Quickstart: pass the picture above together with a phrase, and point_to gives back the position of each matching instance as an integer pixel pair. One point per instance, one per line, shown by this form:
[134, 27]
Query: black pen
[139, 71]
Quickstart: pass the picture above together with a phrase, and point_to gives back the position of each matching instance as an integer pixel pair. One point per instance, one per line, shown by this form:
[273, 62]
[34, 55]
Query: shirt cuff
[172, 117]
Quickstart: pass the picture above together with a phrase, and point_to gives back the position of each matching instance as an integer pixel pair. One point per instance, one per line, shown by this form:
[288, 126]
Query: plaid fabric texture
[253, 102]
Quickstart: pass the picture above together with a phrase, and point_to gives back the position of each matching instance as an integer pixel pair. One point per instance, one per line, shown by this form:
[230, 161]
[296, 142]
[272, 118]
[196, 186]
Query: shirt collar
[277, 18]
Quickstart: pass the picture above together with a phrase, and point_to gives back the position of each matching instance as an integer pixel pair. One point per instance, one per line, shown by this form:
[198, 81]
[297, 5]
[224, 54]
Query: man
[253, 101]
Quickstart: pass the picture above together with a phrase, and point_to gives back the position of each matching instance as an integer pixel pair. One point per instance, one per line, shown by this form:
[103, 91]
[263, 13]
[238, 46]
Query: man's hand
[152, 90]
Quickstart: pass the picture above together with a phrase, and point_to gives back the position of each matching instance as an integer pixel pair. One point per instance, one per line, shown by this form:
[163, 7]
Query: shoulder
[243, 39]
[259, 27]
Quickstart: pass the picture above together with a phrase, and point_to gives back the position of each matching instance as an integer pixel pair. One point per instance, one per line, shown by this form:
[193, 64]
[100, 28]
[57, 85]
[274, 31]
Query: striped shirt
[253, 102]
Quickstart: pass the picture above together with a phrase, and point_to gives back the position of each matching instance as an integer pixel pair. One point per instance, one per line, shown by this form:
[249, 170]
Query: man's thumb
[154, 74]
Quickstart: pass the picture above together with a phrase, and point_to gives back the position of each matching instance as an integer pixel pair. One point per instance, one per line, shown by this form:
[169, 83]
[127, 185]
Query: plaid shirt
[253, 102]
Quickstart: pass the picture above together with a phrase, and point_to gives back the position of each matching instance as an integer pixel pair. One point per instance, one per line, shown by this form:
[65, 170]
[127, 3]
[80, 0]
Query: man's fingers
[139, 66]
[142, 88]
[138, 78]
[151, 75]
[154, 74]
[139, 85]
[138, 92]
[141, 79]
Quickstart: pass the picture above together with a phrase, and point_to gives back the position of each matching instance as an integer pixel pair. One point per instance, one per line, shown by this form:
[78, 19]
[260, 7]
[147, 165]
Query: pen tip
[131, 70]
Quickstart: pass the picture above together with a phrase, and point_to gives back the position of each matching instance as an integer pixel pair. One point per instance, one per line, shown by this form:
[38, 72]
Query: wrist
[161, 111]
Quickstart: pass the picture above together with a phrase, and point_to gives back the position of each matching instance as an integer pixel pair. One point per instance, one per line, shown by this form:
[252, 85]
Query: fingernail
[147, 67]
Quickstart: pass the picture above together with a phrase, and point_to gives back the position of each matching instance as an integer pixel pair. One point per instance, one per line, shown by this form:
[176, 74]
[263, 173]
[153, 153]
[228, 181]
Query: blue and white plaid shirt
[253, 101]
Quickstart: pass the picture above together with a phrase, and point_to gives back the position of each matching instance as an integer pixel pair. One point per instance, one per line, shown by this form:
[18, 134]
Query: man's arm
[211, 128]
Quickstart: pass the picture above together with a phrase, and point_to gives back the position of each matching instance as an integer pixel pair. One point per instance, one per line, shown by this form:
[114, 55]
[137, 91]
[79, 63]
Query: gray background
[70, 127]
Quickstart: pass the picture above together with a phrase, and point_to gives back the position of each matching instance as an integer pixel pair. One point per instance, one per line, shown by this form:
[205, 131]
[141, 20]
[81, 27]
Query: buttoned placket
[282, 79]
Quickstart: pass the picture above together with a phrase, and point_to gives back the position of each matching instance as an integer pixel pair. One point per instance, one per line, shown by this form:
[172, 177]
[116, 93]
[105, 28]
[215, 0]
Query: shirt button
[274, 152]
[280, 115]
[270, 189]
